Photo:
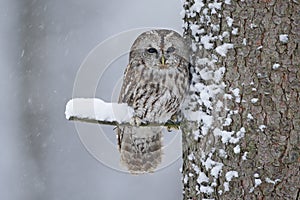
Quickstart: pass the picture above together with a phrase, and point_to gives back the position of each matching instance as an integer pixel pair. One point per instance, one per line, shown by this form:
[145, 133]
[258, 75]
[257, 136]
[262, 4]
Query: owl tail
[141, 148]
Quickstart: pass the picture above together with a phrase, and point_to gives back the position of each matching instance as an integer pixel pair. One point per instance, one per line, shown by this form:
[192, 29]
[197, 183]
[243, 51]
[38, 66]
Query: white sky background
[42, 46]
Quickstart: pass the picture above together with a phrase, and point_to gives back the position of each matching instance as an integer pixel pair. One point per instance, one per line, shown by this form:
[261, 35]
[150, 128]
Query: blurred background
[42, 44]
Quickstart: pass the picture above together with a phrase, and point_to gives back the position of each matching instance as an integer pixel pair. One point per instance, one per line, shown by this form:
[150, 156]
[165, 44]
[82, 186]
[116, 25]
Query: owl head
[161, 49]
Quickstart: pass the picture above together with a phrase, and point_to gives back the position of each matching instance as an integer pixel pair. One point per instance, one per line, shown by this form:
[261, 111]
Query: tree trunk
[244, 141]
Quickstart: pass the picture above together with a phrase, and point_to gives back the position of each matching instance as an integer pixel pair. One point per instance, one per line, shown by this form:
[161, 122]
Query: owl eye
[170, 50]
[152, 50]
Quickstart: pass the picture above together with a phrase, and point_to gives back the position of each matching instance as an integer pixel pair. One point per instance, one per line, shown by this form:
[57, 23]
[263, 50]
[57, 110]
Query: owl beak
[163, 60]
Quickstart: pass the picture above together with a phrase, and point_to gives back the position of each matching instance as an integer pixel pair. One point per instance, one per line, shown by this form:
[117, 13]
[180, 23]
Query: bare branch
[169, 124]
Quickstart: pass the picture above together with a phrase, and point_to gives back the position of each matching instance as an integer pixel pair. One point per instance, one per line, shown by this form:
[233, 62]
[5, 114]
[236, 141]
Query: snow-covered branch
[93, 110]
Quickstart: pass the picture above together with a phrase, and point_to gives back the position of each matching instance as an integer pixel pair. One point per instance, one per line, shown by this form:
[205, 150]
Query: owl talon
[172, 125]
[169, 128]
[136, 121]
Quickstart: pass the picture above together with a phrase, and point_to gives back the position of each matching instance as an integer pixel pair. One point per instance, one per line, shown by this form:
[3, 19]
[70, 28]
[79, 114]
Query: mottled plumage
[155, 83]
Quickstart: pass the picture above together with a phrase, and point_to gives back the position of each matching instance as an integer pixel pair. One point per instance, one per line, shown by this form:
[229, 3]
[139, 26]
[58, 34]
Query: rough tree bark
[244, 143]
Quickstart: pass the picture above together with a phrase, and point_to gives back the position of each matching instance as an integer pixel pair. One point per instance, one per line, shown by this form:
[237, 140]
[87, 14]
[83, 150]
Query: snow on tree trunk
[241, 137]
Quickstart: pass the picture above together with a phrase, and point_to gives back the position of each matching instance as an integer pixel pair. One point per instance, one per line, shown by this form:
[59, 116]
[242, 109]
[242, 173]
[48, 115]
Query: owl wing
[129, 83]
[126, 94]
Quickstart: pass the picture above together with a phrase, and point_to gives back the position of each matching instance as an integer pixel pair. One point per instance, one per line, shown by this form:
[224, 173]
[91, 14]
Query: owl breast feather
[156, 95]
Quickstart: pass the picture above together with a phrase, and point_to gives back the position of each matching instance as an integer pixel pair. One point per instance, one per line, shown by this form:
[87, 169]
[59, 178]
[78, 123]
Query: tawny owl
[156, 81]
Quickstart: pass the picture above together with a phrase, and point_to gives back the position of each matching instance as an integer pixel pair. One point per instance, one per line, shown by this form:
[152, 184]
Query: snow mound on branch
[97, 109]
